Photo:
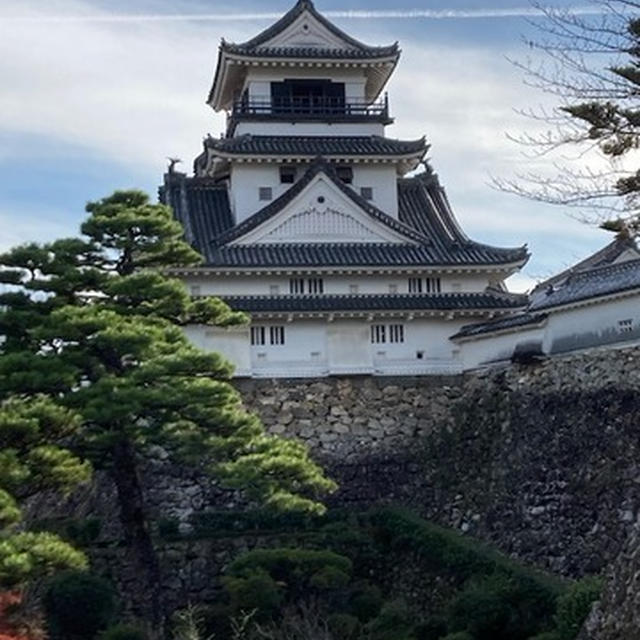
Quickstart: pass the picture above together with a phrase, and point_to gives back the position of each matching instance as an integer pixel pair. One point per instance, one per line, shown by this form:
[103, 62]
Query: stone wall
[540, 460]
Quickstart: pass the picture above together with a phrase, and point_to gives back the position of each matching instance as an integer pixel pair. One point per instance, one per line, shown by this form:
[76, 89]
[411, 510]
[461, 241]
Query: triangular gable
[319, 208]
[303, 25]
[308, 31]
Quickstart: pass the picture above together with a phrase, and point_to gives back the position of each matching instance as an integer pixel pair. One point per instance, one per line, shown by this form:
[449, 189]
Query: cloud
[407, 14]
[32, 226]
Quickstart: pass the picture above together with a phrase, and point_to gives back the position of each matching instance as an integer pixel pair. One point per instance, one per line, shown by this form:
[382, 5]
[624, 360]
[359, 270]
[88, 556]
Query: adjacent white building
[318, 226]
[595, 303]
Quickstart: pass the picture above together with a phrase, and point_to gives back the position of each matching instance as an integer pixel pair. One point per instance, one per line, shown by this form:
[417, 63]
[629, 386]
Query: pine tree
[33, 460]
[590, 63]
[96, 322]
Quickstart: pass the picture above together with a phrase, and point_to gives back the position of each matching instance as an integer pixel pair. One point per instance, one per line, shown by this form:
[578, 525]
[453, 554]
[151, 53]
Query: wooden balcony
[309, 108]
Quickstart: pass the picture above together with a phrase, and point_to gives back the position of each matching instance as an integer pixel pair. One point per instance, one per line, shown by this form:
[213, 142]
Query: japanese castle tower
[343, 250]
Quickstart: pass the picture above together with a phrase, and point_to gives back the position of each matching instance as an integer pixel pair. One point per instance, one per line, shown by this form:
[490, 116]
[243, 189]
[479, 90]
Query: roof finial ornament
[172, 164]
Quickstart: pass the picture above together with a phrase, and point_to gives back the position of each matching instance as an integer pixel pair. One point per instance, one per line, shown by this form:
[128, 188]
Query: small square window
[195, 290]
[393, 288]
[265, 193]
[366, 193]
[625, 326]
[274, 289]
[345, 174]
[287, 175]
[354, 288]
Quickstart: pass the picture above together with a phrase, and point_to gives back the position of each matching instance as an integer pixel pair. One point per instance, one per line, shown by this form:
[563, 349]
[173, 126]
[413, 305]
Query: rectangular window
[415, 285]
[625, 326]
[434, 285]
[315, 285]
[257, 336]
[276, 335]
[265, 193]
[345, 174]
[287, 175]
[396, 333]
[366, 193]
[296, 285]
[378, 334]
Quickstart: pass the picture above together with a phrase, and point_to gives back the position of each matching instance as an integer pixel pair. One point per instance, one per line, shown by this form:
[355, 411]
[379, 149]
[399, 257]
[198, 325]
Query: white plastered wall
[232, 343]
[261, 284]
[246, 180]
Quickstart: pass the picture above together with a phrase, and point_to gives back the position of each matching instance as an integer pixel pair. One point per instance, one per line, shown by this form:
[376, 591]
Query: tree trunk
[142, 555]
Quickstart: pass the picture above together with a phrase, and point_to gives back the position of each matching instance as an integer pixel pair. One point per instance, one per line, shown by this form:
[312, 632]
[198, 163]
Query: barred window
[396, 333]
[625, 326]
[434, 285]
[287, 175]
[258, 336]
[315, 285]
[276, 335]
[415, 285]
[265, 193]
[378, 334]
[296, 285]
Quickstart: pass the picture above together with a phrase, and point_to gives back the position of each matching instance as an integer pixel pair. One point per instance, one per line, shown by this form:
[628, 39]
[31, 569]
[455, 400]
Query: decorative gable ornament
[322, 213]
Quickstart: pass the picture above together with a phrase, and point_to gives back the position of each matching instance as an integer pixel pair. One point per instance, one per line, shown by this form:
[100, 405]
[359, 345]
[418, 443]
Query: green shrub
[393, 622]
[574, 607]
[365, 602]
[78, 605]
[501, 607]
[343, 626]
[256, 590]
[458, 635]
[123, 632]
[329, 578]
[431, 629]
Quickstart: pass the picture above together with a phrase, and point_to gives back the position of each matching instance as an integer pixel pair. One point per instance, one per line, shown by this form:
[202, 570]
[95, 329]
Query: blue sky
[88, 106]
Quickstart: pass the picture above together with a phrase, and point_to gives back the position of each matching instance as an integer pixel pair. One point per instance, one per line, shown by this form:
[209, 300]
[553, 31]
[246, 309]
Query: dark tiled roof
[312, 52]
[502, 324]
[200, 205]
[489, 300]
[606, 256]
[250, 46]
[594, 283]
[337, 255]
[319, 166]
[311, 146]
[425, 218]
[423, 205]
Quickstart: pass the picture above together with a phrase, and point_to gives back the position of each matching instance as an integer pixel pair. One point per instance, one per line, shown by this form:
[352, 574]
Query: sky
[96, 94]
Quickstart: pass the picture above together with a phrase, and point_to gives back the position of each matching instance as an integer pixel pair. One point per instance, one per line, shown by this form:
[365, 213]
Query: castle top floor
[306, 69]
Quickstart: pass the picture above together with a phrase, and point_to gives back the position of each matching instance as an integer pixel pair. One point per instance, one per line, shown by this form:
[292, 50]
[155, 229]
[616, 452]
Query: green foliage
[256, 590]
[365, 601]
[431, 629]
[122, 632]
[344, 626]
[458, 635]
[394, 622]
[32, 459]
[96, 325]
[574, 607]
[501, 607]
[78, 606]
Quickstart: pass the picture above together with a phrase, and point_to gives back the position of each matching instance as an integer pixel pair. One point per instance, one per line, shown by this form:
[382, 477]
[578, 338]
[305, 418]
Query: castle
[339, 242]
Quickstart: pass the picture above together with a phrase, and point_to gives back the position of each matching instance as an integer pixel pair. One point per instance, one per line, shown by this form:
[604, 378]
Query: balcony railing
[310, 107]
